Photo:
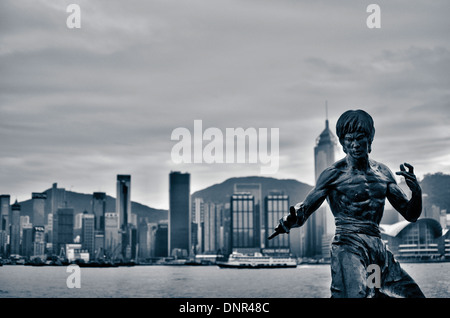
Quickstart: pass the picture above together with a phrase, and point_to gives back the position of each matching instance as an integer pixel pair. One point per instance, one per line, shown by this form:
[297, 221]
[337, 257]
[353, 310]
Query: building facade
[15, 229]
[424, 239]
[38, 201]
[276, 206]
[88, 233]
[244, 229]
[63, 225]
[179, 212]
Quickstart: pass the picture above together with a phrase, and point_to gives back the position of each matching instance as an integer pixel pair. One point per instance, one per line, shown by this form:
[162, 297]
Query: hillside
[220, 193]
[81, 202]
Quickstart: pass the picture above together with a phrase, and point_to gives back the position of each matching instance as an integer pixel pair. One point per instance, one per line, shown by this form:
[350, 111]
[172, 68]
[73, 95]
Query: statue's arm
[409, 209]
[300, 213]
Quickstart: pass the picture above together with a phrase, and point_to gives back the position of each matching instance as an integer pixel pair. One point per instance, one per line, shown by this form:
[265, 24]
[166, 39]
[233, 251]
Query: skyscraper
[56, 198]
[244, 231]
[38, 241]
[255, 190]
[210, 228]
[320, 224]
[15, 229]
[5, 201]
[38, 202]
[88, 233]
[99, 210]
[123, 209]
[27, 240]
[123, 200]
[112, 240]
[276, 205]
[197, 222]
[62, 228]
[179, 212]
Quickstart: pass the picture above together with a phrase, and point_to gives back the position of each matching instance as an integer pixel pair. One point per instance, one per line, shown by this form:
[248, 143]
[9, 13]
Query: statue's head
[355, 129]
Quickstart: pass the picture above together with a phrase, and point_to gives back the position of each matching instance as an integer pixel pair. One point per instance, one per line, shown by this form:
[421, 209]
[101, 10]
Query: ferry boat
[257, 260]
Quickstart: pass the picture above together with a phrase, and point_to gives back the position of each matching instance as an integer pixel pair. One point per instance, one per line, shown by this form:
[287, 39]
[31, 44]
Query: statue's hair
[355, 121]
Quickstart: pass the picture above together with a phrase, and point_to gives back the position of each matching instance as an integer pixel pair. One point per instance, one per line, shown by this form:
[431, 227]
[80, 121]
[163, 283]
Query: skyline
[80, 106]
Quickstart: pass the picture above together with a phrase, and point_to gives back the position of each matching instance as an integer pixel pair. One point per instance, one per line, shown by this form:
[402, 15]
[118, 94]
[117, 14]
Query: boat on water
[257, 260]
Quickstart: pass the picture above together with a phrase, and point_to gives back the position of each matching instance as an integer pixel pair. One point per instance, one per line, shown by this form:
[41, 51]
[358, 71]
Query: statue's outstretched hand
[286, 223]
[410, 177]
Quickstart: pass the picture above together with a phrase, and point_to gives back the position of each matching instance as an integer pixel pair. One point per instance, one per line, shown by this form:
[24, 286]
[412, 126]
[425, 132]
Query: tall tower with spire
[321, 223]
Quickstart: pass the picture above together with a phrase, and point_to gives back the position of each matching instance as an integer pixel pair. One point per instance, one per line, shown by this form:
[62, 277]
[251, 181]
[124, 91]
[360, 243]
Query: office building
[15, 229]
[123, 200]
[56, 199]
[276, 206]
[112, 238]
[197, 222]
[244, 230]
[179, 213]
[88, 233]
[27, 240]
[5, 212]
[211, 231]
[63, 226]
[38, 201]
[255, 190]
[161, 240]
[99, 210]
[152, 228]
[38, 241]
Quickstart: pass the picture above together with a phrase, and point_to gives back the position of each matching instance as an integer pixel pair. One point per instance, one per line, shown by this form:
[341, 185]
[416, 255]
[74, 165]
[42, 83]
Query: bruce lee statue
[356, 188]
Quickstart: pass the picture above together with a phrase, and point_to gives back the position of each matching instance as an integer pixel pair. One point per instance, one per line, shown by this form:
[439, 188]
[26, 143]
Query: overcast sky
[79, 106]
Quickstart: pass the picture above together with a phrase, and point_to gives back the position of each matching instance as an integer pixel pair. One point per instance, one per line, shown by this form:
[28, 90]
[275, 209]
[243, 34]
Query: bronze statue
[356, 188]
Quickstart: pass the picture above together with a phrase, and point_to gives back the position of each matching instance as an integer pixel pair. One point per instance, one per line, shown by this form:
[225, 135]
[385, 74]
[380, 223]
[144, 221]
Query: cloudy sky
[79, 106]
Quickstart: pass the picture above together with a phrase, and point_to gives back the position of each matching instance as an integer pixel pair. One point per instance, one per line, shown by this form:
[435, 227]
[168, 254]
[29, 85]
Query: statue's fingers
[402, 167]
[410, 168]
[407, 175]
[292, 211]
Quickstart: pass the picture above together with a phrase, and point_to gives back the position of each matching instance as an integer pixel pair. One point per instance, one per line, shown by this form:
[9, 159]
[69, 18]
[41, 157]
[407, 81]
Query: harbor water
[305, 281]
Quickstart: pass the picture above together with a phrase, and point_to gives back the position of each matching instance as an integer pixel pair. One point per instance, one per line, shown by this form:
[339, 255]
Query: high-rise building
[320, 225]
[38, 202]
[27, 240]
[15, 229]
[152, 228]
[56, 198]
[276, 205]
[3, 243]
[143, 247]
[88, 233]
[197, 222]
[112, 241]
[123, 200]
[211, 233]
[99, 210]
[226, 231]
[244, 230]
[123, 210]
[5, 212]
[63, 227]
[161, 240]
[255, 190]
[179, 212]
[38, 241]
